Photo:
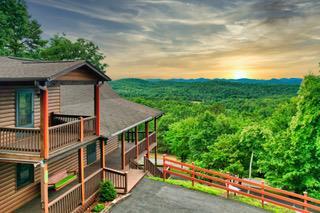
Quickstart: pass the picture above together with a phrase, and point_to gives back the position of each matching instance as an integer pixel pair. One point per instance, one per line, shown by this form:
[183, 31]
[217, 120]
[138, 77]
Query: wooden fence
[260, 191]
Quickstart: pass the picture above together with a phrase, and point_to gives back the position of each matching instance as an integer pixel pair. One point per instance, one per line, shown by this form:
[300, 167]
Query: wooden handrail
[19, 128]
[93, 174]
[220, 180]
[64, 124]
[114, 171]
[57, 199]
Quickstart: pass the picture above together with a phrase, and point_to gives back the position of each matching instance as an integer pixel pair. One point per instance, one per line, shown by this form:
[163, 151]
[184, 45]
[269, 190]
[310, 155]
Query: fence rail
[260, 191]
[118, 178]
[20, 139]
[67, 202]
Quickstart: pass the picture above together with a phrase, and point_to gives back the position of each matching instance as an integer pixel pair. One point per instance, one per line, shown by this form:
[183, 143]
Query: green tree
[20, 35]
[62, 48]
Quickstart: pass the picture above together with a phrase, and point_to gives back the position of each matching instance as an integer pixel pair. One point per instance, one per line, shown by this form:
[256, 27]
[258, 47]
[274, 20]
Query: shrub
[98, 208]
[107, 191]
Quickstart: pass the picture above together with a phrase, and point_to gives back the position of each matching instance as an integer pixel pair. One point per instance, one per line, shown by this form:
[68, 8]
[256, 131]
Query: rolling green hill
[211, 90]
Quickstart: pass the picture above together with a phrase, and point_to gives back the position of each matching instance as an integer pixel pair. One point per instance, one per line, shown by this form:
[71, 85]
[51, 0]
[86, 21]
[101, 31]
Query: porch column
[97, 107]
[81, 175]
[123, 151]
[156, 148]
[44, 123]
[146, 129]
[136, 141]
[44, 187]
[103, 157]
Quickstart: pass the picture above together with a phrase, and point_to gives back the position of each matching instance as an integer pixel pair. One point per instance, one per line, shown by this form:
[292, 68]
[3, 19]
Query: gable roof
[117, 114]
[16, 69]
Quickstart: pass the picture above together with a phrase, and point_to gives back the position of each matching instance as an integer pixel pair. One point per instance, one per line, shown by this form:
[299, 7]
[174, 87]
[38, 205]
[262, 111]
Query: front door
[24, 108]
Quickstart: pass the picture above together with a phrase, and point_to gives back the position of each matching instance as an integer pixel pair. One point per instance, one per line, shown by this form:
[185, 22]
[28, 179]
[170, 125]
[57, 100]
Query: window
[24, 108]
[91, 153]
[25, 174]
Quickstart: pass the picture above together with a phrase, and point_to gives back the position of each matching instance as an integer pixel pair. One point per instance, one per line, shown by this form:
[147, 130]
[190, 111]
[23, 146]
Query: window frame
[89, 153]
[20, 91]
[20, 184]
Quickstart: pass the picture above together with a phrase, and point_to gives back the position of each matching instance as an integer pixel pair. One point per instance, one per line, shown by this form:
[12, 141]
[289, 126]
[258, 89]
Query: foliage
[107, 191]
[220, 130]
[98, 208]
[61, 48]
[20, 35]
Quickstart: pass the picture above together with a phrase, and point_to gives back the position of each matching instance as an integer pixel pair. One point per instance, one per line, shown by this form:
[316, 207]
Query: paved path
[153, 196]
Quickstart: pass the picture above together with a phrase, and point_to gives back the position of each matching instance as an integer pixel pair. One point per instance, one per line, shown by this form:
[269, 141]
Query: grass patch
[188, 185]
[219, 192]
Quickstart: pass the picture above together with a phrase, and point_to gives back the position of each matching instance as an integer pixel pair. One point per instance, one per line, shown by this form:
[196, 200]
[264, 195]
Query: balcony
[64, 131]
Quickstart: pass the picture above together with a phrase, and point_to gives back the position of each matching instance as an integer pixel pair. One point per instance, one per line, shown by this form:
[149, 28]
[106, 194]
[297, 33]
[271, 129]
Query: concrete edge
[115, 202]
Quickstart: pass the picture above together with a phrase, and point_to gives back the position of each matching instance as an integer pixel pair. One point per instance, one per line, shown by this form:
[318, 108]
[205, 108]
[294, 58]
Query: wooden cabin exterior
[37, 141]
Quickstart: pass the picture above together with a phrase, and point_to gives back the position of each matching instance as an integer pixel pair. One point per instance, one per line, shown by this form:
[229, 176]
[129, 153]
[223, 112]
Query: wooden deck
[113, 161]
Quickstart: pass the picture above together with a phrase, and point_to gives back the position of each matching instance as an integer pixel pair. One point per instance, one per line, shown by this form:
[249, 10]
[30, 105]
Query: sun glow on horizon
[238, 74]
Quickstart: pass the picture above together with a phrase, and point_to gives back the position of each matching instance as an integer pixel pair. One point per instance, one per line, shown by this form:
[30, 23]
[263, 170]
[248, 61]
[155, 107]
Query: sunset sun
[237, 74]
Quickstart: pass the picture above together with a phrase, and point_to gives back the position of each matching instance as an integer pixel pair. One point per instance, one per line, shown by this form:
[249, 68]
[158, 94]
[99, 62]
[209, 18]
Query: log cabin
[62, 131]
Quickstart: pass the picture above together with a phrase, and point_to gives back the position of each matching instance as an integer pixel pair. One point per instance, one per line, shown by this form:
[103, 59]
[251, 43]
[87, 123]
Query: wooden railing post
[145, 163]
[126, 180]
[123, 151]
[103, 158]
[81, 136]
[44, 187]
[164, 167]
[97, 107]
[136, 140]
[227, 183]
[262, 194]
[156, 141]
[81, 175]
[193, 175]
[146, 128]
[305, 195]
[44, 123]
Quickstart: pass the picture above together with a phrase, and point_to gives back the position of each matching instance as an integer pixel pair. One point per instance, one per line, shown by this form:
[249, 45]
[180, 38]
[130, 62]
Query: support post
[81, 136]
[262, 194]
[44, 187]
[103, 158]
[193, 176]
[227, 184]
[156, 141]
[136, 141]
[305, 202]
[97, 107]
[81, 175]
[123, 151]
[164, 167]
[146, 129]
[44, 123]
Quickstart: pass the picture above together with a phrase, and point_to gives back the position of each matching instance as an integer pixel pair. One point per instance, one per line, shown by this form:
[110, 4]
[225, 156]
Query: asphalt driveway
[153, 196]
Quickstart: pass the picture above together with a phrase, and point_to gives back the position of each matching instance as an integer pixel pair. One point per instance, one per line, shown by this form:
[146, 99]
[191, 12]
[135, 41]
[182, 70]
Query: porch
[69, 198]
[64, 131]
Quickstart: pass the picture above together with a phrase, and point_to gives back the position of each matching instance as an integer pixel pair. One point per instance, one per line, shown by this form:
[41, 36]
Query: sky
[192, 38]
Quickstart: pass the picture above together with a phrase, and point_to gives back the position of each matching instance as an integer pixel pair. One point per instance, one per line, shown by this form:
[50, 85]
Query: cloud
[192, 38]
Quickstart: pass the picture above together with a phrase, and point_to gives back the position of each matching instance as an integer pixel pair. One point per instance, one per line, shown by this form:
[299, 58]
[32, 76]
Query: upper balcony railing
[65, 130]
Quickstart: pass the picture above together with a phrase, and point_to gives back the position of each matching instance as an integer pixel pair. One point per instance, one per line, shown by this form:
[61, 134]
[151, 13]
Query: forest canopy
[229, 126]
[20, 36]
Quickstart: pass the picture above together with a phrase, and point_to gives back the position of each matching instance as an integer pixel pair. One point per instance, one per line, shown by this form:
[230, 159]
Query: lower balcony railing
[65, 130]
[131, 153]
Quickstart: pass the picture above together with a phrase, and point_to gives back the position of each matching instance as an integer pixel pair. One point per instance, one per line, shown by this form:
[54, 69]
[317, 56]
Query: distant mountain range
[273, 81]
